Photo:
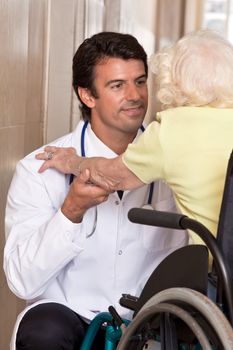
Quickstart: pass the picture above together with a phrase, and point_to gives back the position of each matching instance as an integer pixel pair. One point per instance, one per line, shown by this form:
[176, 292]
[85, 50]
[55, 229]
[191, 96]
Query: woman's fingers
[56, 157]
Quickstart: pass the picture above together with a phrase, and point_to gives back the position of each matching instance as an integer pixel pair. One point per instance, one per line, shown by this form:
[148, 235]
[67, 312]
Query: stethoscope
[83, 154]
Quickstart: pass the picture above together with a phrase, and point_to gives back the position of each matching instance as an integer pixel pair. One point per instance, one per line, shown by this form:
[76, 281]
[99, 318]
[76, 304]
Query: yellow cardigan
[188, 148]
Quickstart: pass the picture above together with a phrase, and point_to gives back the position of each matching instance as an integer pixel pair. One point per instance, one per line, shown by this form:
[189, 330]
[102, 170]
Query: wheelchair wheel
[139, 326]
[205, 307]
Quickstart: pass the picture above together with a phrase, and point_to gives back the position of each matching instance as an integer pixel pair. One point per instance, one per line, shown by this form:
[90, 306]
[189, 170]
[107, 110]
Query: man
[70, 252]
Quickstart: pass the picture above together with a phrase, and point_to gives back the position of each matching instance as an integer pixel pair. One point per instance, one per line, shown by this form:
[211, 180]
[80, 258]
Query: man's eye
[141, 82]
[116, 86]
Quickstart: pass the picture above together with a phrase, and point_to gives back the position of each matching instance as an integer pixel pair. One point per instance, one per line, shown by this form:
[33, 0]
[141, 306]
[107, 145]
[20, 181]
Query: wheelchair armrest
[128, 301]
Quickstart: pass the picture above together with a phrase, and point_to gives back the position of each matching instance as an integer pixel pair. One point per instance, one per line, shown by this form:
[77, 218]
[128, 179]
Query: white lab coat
[48, 258]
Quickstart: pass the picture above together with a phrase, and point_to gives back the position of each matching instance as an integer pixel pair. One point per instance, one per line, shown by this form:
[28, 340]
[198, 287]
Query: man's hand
[82, 196]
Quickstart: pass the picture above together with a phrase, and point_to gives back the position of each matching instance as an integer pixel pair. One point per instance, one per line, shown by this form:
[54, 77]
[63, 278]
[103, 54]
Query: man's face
[121, 86]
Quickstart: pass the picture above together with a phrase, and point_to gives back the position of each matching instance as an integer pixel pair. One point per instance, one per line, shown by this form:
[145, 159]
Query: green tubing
[93, 328]
[113, 333]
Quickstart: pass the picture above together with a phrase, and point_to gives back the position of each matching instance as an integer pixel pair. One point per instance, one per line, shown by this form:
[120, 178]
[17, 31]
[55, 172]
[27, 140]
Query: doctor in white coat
[70, 250]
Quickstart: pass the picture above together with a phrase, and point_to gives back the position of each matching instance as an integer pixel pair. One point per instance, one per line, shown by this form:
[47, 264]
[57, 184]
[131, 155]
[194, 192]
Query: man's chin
[133, 125]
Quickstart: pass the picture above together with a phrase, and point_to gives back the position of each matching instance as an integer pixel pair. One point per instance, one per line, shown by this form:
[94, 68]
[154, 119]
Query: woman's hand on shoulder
[64, 159]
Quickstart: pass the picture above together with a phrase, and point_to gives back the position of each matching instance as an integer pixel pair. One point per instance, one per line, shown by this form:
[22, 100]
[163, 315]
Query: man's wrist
[74, 217]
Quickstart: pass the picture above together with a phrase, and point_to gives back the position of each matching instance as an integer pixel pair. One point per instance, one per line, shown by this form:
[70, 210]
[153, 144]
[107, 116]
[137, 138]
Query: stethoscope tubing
[83, 154]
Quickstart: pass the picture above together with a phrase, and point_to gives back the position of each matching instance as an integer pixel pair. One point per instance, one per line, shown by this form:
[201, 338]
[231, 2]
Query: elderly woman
[189, 144]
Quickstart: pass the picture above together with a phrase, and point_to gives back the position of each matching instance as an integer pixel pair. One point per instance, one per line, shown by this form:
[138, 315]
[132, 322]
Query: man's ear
[86, 97]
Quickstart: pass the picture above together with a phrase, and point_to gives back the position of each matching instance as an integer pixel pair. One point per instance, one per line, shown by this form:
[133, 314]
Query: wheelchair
[182, 306]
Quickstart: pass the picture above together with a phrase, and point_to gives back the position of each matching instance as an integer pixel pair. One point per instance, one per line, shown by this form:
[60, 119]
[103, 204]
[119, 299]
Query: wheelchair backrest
[185, 267]
[225, 226]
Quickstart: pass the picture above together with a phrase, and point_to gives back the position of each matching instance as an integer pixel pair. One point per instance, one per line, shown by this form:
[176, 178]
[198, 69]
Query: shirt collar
[94, 147]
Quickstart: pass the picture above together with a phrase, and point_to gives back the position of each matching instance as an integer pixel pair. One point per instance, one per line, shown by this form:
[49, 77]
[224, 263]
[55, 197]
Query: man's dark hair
[97, 48]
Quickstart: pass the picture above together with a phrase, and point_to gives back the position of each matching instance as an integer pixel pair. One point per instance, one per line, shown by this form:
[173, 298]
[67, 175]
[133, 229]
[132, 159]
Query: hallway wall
[22, 34]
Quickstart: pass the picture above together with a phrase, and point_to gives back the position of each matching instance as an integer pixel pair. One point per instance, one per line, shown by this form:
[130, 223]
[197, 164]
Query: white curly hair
[196, 71]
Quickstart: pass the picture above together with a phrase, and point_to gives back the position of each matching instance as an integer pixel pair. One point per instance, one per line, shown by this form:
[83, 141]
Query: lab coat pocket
[157, 238]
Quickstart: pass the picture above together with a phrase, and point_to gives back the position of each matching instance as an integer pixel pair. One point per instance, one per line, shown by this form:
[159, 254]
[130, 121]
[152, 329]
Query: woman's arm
[111, 174]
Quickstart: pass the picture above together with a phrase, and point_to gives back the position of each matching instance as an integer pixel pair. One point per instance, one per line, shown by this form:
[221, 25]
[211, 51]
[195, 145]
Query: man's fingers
[96, 190]
[105, 198]
[84, 176]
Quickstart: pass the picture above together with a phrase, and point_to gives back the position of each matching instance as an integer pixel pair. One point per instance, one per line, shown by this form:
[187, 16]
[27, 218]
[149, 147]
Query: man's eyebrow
[123, 80]
[141, 76]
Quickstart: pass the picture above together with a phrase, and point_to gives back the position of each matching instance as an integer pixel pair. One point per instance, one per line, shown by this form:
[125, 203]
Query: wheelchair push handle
[156, 218]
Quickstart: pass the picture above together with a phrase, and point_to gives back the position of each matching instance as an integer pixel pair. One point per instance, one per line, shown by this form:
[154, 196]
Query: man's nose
[132, 93]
